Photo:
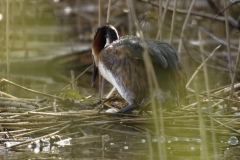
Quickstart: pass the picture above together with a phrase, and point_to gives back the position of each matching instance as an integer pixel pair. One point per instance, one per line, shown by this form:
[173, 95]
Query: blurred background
[44, 39]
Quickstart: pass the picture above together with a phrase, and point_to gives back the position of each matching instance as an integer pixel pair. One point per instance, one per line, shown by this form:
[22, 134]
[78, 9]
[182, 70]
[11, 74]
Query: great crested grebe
[120, 61]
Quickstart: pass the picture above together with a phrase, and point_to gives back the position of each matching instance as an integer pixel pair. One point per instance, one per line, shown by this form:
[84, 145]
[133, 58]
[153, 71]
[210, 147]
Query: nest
[84, 120]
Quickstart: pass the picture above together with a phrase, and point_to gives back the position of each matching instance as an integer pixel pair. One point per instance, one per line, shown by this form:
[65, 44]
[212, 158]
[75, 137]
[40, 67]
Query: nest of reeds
[69, 115]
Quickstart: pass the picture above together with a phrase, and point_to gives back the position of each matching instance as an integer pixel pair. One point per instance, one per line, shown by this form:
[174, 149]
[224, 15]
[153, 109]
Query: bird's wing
[159, 52]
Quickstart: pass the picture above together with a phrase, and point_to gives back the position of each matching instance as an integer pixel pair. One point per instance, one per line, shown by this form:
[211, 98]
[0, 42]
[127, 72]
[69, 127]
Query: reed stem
[184, 26]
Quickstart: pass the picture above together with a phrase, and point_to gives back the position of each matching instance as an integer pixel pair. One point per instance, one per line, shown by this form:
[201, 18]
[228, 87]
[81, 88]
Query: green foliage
[150, 14]
[68, 93]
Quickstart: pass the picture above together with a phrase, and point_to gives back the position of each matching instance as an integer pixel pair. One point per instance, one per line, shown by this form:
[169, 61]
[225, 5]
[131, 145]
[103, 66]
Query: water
[233, 140]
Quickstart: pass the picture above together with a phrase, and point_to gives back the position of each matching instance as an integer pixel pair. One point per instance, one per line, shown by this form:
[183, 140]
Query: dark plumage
[120, 61]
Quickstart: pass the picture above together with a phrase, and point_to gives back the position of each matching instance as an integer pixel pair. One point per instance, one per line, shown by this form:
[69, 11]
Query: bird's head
[103, 37]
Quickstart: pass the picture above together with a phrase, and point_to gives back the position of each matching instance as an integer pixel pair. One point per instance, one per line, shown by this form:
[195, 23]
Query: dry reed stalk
[111, 92]
[217, 103]
[72, 79]
[150, 147]
[208, 93]
[10, 121]
[69, 114]
[184, 26]
[218, 40]
[16, 131]
[197, 70]
[235, 69]
[173, 20]
[10, 114]
[41, 129]
[228, 127]
[108, 11]
[228, 44]
[101, 87]
[24, 100]
[190, 106]
[7, 43]
[17, 104]
[101, 79]
[26, 113]
[130, 27]
[151, 78]
[204, 66]
[99, 13]
[159, 34]
[6, 95]
[32, 140]
[103, 146]
[226, 90]
[28, 124]
[202, 131]
[30, 90]
[228, 122]
[13, 109]
[29, 103]
[78, 77]
[165, 11]
[39, 118]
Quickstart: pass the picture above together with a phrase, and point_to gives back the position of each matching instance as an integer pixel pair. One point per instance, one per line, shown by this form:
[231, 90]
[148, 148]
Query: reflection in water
[114, 146]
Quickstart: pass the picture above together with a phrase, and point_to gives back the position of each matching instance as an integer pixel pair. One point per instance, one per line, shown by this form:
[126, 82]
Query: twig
[78, 76]
[231, 21]
[214, 6]
[217, 39]
[111, 92]
[30, 90]
[227, 8]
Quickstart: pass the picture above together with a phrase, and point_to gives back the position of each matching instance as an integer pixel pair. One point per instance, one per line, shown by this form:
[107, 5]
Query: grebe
[120, 61]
